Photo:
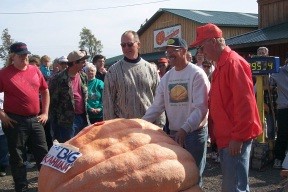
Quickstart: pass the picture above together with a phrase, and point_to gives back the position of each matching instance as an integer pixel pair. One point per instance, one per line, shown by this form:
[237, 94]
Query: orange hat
[204, 32]
[163, 60]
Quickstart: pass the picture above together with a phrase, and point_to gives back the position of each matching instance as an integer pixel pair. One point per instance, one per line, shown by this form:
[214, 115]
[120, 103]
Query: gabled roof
[219, 18]
[269, 35]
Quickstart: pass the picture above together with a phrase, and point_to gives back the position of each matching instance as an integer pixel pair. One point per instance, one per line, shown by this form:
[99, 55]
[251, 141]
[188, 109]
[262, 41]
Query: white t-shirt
[184, 96]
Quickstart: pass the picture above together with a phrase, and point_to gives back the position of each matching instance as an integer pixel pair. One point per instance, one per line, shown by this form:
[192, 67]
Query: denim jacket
[62, 100]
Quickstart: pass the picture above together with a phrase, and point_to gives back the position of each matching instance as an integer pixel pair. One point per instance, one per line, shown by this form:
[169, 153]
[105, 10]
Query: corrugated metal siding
[269, 34]
[217, 17]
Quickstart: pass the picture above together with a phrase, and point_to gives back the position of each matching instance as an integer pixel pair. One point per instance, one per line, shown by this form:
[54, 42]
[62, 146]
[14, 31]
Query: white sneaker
[277, 164]
[28, 165]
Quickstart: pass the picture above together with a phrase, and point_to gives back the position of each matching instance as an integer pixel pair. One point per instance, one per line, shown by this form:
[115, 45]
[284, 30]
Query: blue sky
[57, 34]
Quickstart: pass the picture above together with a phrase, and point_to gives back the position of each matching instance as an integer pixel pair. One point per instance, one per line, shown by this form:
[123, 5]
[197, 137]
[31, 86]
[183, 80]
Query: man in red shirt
[233, 108]
[21, 84]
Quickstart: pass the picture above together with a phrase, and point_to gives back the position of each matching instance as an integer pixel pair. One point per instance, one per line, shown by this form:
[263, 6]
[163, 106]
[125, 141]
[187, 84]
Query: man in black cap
[21, 84]
[183, 93]
[68, 90]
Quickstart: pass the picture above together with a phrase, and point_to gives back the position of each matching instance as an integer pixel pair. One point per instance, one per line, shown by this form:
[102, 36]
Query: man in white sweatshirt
[183, 93]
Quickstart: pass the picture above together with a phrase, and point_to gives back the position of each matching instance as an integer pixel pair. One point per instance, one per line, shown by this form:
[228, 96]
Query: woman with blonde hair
[45, 67]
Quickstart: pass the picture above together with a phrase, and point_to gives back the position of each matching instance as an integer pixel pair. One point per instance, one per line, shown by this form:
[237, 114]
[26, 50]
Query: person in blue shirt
[45, 67]
[281, 80]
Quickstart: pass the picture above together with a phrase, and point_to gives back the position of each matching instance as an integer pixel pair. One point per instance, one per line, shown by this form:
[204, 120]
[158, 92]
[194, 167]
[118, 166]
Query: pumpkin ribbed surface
[124, 155]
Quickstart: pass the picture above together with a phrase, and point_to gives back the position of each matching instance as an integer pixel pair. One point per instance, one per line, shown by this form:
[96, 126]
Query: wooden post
[260, 104]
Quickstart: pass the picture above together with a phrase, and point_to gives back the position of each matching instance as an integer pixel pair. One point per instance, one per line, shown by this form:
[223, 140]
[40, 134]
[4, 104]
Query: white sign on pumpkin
[61, 157]
[161, 36]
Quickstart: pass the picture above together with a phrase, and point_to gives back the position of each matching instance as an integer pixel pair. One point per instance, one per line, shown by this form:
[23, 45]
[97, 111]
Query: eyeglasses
[129, 44]
[173, 51]
[202, 46]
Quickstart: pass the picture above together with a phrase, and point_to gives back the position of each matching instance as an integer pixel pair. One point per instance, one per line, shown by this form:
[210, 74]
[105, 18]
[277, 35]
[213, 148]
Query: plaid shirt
[62, 104]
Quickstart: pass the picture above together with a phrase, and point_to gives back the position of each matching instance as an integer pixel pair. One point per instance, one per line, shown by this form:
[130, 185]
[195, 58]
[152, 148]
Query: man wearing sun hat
[21, 84]
[69, 95]
[233, 107]
[183, 93]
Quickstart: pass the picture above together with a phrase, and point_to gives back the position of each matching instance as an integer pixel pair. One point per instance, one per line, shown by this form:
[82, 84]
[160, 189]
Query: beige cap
[76, 55]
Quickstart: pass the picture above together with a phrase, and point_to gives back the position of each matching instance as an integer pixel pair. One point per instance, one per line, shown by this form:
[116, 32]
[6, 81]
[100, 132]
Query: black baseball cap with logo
[19, 48]
[177, 42]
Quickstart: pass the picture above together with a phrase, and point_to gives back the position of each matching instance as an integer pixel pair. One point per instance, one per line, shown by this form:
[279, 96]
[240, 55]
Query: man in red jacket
[233, 108]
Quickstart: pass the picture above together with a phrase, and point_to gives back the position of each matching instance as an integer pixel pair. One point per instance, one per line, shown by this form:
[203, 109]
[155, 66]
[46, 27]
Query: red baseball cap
[163, 60]
[204, 32]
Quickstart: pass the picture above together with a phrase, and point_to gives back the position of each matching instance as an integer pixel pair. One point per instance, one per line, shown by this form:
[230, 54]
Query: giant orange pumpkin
[124, 156]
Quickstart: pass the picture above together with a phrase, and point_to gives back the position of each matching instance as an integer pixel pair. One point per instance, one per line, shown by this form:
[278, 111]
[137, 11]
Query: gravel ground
[264, 180]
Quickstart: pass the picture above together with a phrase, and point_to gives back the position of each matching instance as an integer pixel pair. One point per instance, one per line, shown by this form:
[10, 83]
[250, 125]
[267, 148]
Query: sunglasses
[129, 44]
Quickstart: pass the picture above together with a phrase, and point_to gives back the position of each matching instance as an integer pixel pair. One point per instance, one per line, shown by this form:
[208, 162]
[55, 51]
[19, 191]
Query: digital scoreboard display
[264, 65]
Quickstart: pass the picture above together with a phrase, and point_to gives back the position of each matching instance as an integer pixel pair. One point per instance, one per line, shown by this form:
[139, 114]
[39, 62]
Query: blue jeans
[235, 169]
[4, 161]
[27, 131]
[63, 133]
[196, 144]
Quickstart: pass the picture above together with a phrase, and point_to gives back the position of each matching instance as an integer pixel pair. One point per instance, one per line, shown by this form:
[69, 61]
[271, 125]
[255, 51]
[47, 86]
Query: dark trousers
[27, 131]
[48, 134]
[282, 134]
[4, 162]
[166, 126]
[94, 120]
[63, 133]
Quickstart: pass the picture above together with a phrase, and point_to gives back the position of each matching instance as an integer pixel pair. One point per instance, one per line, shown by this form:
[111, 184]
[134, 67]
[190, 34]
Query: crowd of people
[213, 97]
